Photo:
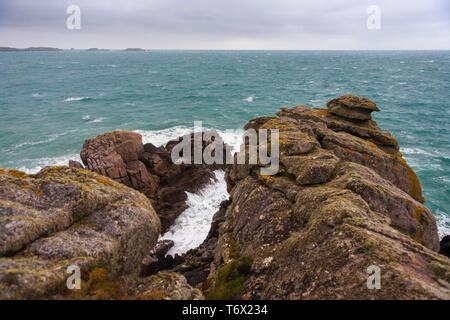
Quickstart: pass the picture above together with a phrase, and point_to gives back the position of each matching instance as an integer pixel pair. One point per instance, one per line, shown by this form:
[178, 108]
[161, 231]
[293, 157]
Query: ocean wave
[249, 99]
[193, 224]
[415, 151]
[35, 165]
[232, 137]
[77, 99]
[32, 143]
[443, 223]
[86, 117]
[38, 95]
[98, 119]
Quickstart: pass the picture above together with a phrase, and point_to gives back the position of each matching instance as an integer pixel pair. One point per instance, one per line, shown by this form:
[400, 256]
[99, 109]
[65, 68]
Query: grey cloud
[203, 23]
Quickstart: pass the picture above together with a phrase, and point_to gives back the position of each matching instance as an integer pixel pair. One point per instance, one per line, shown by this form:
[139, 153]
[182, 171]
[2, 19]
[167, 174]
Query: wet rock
[445, 246]
[161, 248]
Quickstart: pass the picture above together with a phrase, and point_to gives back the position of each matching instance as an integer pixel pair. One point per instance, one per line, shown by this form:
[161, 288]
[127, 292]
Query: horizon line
[203, 49]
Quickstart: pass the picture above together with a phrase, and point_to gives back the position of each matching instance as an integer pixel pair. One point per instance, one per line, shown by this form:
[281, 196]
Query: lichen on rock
[80, 218]
[335, 208]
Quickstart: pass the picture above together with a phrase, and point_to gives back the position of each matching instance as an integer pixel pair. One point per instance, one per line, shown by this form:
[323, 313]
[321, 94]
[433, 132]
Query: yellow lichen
[103, 181]
[17, 173]
[415, 188]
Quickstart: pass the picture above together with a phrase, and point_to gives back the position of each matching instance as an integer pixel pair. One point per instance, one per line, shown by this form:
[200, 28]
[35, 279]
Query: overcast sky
[227, 24]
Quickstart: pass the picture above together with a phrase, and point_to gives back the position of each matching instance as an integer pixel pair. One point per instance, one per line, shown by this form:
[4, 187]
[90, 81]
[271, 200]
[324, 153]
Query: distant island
[11, 49]
[29, 49]
[97, 49]
[134, 49]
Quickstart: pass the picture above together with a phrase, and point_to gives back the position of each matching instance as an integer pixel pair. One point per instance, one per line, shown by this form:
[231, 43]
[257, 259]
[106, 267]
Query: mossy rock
[231, 278]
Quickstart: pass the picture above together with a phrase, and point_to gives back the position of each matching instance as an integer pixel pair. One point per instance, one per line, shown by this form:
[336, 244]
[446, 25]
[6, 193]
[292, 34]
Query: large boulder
[343, 202]
[64, 216]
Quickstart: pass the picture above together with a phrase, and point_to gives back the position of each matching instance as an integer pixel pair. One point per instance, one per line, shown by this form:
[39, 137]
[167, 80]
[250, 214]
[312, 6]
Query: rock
[445, 246]
[65, 216]
[121, 156]
[162, 286]
[75, 164]
[161, 248]
[352, 107]
[343, 200]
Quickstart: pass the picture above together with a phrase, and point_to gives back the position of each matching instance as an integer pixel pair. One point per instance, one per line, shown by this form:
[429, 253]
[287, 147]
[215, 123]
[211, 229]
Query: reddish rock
[75, 164]
[121, 156]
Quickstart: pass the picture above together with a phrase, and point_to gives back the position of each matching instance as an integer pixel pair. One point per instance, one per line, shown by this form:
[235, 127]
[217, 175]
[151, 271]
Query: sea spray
[192, 225]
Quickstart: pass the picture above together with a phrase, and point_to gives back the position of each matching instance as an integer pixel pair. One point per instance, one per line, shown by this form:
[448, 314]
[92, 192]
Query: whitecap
[98, 119]
[76, 99]
[415, 151]
[38, 95]
[192, 225]
[249, 99]
[443, 223]
[232, 137]
[39, 164]
[86, 117]
[32, 143]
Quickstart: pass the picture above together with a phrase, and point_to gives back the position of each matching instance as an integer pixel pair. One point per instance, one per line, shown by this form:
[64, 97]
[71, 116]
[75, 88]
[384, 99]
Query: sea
[50, 102]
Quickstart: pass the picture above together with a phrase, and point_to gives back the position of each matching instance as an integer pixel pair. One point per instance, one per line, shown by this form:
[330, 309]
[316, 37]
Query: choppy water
[50, 102]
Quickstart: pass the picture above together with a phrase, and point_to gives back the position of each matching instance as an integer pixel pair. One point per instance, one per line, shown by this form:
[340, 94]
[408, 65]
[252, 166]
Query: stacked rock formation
[343, 201]
[352, 107]
[121, 156]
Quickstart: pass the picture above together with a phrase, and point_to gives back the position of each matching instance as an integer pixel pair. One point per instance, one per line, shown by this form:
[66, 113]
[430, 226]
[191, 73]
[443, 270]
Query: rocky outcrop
[63, 216]
[343, 201]
[162, 286]
[121, 156]
[352, 107]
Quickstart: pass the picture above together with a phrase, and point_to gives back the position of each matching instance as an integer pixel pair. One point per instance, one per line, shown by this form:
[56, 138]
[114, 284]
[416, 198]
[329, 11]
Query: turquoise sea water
[50, 102]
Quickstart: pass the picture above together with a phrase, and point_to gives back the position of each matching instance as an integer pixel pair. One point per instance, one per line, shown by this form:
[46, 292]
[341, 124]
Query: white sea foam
[249, 99]
[98, 119]
[407, 151]
[76, 99]
[232, 137]
[49, 139]
[38, 95]
[38, 164]
[192, 226]
[86, 117]
[443, 223]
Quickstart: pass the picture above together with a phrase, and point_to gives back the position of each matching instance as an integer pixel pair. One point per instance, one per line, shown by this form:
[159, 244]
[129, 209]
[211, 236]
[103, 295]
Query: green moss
[230, 280]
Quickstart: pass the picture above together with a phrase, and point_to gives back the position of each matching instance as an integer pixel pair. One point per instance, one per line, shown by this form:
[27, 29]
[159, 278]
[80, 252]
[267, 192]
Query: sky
[227, 24]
